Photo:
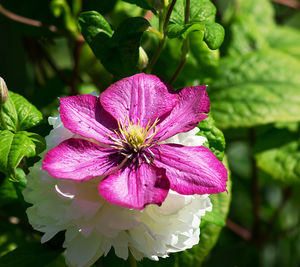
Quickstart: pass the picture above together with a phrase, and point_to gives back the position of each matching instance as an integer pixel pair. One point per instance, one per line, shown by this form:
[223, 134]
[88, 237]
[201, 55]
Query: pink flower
[120, 138]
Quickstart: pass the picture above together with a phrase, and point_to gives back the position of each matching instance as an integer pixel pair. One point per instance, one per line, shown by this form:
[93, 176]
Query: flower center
[134, 141]
[135, 135]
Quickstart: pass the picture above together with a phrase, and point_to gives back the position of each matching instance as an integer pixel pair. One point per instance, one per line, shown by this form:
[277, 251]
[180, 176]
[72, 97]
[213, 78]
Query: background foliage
[248, 53]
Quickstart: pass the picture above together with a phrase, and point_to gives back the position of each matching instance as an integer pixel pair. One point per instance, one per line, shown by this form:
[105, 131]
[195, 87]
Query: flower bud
[3, 91]
[143, 59]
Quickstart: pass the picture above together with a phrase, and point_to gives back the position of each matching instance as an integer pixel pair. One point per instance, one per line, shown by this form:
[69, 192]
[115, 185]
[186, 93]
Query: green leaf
[246, 24]
[282, 163]
[215, 218]
[118, 51]
[14, 147]
[182, 31]
[94, 26]
[206, 61]
[209, 231]
[200, 11]
[285, 39]
[29, 255]
[7, 192]
[126, 42]
[278, 154]
[18, 114]
[12, 191]
[256, 89]
[39, 141]
[202, 16]
[262, 12]
[254, 28]
[214, 136]
[214, 35]
[243, 36]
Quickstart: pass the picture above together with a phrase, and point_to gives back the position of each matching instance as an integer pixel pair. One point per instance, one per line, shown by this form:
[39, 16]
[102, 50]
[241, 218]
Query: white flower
[93, 226]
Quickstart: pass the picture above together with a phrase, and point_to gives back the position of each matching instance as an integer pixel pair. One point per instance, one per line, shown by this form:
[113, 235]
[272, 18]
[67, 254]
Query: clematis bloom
[121, 138]
[93, 226]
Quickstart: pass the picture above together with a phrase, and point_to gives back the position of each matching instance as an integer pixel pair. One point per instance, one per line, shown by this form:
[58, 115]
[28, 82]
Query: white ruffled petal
[187, 139]
[81, 251]
[94, 226]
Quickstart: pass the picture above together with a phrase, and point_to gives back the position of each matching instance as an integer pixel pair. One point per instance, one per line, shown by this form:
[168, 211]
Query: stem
[162, 41]
[185, 45]
[185, 48]
[289, 3]
[255, 191]
[187, 12]
[132, 260]
[35, 23]
[27, 21]
[75, 74]
[52, 65]
[168, 16]
[156, 55]
[156, 32]
[239, 230]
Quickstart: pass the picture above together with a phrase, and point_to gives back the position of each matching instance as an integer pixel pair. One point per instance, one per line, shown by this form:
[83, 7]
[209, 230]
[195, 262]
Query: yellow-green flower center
[136, 136]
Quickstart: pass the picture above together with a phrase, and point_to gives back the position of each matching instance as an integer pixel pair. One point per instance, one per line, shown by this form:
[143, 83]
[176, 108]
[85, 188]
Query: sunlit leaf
[15, 146]
[202, 18]
[255, 89]
[19, 114]
[214, 136]
[278, 154]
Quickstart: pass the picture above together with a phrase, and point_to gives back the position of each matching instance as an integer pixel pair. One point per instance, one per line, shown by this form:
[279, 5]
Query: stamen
[132, 139]
[151, 153]
[147, 160]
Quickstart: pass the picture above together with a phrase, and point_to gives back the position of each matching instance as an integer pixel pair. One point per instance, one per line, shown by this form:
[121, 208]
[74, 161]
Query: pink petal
[84, 115]
[135, 187]
[141, 96]
[80, 160]
[192, 103]
[191, 170]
